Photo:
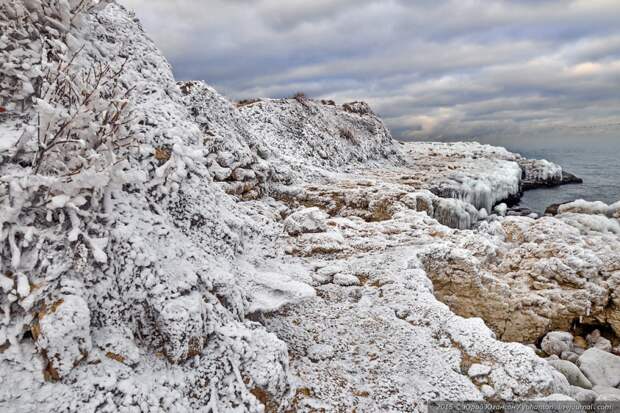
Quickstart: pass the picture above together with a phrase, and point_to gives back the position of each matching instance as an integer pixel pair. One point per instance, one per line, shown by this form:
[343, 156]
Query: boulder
[600, 367]
[572, 373]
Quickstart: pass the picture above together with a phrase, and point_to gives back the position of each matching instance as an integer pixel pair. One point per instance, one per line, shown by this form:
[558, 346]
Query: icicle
[75, 225]
[15, 251]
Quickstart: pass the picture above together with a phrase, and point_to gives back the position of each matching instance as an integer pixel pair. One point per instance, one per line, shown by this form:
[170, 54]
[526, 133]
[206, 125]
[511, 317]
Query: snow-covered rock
[515, 280]
[308, 132]
[63, 334]
[308, 220]
[592, 208]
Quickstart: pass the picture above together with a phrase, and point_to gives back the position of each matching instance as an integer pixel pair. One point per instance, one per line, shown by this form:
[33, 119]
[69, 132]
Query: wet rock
[557, 342]
[600, 367]
[519, 211]
[572, 373]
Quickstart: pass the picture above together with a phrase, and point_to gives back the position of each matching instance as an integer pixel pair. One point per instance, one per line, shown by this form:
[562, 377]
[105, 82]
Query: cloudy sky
[434, 69]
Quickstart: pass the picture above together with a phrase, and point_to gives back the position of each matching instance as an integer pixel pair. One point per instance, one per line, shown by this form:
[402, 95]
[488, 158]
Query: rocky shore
[271, 254]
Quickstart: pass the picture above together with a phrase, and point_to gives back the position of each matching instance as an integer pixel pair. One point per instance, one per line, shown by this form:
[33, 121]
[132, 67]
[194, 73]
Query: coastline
[280, 254]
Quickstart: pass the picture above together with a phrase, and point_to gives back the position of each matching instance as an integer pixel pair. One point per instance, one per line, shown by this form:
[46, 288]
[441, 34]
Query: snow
[581, 206]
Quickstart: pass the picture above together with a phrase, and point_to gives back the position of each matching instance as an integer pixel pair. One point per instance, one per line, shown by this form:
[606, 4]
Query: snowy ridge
[321, 135]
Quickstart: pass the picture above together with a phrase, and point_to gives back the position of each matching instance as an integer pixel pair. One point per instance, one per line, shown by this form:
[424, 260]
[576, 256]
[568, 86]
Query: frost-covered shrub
[33, 32]
[83, 118]
[55, 194]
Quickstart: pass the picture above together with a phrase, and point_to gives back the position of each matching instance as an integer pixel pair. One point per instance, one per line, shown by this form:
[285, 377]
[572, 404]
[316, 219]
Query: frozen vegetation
[165, 249]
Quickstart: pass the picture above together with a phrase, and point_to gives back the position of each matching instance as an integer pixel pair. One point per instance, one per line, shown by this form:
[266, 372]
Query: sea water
[597, 163]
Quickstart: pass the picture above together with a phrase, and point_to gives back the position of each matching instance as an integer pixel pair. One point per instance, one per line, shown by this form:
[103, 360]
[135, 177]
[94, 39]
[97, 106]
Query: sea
[596, 162]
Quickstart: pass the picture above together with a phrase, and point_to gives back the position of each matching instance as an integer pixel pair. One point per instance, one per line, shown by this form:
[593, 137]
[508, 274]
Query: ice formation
[165, 249]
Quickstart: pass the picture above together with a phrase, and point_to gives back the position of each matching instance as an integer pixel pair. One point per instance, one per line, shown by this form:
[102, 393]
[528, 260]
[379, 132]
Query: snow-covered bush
[55, 194]
[33, 32]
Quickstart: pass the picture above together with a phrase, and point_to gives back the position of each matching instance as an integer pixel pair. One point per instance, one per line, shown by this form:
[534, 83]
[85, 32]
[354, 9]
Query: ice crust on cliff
[187, 274]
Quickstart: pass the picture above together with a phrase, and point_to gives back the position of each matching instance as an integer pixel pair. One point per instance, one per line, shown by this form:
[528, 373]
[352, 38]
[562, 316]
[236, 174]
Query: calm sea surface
[597, 163]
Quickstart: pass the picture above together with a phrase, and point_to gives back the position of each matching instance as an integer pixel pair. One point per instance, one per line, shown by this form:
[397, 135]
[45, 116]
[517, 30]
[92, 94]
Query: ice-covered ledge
[482, 175]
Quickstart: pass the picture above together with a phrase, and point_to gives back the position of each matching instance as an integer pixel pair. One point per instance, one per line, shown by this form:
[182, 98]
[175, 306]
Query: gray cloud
[435, 69]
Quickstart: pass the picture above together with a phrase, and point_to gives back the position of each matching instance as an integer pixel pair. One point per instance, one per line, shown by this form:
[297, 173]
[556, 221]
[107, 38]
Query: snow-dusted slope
[119, 280]
[308, 132]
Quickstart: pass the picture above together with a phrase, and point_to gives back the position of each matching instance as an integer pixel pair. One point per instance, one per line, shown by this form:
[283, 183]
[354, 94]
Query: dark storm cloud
[433, 69]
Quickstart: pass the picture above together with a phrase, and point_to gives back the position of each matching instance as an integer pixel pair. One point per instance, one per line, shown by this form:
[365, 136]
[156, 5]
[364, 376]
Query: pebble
[487, 391]
[569, 356]
[478, 370]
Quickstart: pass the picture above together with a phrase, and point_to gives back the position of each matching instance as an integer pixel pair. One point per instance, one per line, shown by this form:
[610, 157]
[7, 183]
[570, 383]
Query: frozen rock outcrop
[533, 276]
[236, 157]
[591, 208]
